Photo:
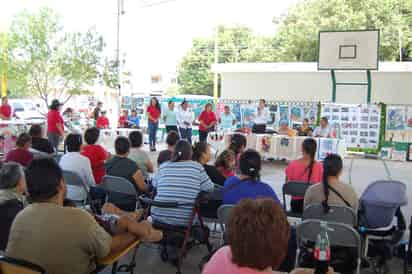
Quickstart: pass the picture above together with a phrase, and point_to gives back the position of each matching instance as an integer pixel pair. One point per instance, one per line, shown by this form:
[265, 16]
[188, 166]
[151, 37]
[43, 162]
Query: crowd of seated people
[65, 239]
[184, 172]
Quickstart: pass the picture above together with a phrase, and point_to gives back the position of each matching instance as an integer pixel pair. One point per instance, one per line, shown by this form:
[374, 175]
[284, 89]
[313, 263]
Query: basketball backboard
[348, 50]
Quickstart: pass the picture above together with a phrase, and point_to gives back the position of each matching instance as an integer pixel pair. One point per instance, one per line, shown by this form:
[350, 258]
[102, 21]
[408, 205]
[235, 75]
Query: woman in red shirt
[153, 115]
[55, 125]
[305, 169]
[5, 109]
[123, 119]
[96, 153]
[207, 120]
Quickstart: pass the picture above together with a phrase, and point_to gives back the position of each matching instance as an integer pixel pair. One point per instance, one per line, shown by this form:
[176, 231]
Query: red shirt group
[5, 110]
[53, 119]
[154, 112]
[207, 117]
[102, 122]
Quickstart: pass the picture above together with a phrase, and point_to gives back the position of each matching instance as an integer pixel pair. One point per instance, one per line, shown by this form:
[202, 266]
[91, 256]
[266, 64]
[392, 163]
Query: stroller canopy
[385, 193]
[380, 202]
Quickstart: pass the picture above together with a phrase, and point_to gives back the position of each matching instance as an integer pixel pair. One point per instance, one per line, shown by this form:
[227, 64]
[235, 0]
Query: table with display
[279, 147]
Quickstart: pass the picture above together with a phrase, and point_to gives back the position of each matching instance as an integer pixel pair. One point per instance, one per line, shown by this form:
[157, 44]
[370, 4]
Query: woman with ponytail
[306, 169]
[248, 184]
[332, 191]
[180, 180]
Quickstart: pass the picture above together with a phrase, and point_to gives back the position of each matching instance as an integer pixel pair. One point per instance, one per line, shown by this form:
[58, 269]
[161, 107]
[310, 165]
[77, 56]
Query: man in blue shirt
[134, 120]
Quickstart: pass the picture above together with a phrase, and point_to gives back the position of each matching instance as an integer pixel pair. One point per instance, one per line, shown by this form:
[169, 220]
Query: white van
[25, 109]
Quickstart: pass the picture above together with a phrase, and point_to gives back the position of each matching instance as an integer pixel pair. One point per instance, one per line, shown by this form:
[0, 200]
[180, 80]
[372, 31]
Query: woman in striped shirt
[180, 180]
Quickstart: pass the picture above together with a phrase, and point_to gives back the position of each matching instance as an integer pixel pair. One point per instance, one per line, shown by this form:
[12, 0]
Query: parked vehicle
[25, 109]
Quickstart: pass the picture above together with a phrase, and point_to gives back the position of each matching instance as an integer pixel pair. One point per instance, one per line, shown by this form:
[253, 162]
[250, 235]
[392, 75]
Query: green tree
[297, 33]
[235, 44]
[50, 62]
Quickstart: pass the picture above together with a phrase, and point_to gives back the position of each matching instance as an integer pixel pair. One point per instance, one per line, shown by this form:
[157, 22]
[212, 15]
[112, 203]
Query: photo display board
[399, 123]
[359, 125]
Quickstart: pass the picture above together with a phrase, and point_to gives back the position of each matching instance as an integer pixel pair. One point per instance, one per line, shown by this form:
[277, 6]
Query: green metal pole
[333, 85]
[368, 74]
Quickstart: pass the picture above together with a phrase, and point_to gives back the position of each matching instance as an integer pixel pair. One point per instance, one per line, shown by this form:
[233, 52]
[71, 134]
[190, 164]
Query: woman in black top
[38, 142]
[202, 155]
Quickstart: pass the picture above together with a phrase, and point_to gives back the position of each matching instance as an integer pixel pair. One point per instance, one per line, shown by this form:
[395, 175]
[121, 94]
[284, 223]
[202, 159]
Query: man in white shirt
[185, 118]
[262, 117]
[324, 130]
[79, 164]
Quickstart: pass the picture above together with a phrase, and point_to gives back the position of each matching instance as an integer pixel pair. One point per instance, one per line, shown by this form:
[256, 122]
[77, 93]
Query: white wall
[387, 87]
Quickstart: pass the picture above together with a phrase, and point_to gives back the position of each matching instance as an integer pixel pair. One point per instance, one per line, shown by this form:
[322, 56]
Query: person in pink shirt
[257, 233]
[305, 169]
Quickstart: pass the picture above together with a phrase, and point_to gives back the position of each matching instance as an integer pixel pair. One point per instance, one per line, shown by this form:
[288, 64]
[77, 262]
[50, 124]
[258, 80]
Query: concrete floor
[364, 171]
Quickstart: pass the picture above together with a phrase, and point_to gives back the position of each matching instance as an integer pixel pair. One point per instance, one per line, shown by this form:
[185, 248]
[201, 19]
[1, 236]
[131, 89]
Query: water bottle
[322, 250]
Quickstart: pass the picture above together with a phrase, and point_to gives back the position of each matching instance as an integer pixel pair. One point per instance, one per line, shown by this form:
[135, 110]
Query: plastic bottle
[322, 250]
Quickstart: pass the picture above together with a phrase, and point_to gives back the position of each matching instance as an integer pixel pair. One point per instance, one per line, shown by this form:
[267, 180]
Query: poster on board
[395, 118]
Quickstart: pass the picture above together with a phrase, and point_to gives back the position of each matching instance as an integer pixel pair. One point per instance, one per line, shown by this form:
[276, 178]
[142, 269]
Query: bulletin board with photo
[399, 123]
[358, 125]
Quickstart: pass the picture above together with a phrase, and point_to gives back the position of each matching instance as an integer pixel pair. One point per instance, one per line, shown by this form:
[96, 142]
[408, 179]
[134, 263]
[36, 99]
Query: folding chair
[76, 182]
[293, 189]
[17, 266]
[121, 192]
[185, 231]
[340, 235]
[337, 213]
[223, 213]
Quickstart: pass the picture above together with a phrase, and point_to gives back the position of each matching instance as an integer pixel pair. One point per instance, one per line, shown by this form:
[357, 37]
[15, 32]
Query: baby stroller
[381, 222]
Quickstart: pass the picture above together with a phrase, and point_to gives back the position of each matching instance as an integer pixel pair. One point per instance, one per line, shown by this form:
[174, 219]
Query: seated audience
[306, 169]
[285, 129]
[257, 233]
[96, 153]
[12, 199]
[202, 155]
[21, 153]
[305, 129]
[332, 190]
[324, 130]
[226, 163]
[179, 180]
[62, 240]
[237, 145]
[77, 163]
[121, 166]
[138, 155]
[102, 122]
[166, 155]
[248, 184]
[38, 142]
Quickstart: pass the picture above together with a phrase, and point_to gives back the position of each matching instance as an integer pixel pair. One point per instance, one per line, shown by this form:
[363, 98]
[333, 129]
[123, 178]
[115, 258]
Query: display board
[399, 123]
[358, 125]
[292, 112]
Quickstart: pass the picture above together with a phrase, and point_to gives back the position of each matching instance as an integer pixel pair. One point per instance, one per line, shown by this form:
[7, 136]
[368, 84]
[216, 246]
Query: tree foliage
[297, 32]
[47, 62]
[296, 37]
[236, 44]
